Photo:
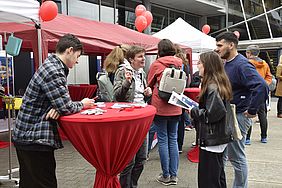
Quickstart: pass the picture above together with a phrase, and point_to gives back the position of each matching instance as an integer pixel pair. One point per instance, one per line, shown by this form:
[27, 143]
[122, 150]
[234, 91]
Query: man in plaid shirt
[46, 98]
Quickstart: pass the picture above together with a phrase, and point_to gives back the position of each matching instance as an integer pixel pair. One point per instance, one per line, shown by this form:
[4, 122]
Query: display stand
[10, 102]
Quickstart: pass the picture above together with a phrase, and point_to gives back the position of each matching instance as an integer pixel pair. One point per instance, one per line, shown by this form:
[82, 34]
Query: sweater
[249, 88]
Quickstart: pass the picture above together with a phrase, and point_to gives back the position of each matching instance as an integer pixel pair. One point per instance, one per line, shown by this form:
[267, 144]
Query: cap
[254, 49]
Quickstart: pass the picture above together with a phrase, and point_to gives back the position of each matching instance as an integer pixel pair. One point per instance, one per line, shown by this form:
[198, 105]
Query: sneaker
[248, 142]
[163, 180]
[180, 151]
[194, 144]
[264, 140]
[173, 180]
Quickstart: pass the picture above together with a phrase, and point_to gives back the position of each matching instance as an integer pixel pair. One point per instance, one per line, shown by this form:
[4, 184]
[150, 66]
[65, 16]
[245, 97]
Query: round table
[108, 141]
[79, 92]
[192, 93]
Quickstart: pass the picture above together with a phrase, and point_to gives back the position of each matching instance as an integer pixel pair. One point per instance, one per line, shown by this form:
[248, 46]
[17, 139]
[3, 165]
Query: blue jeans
[236, 153]
[167, 141]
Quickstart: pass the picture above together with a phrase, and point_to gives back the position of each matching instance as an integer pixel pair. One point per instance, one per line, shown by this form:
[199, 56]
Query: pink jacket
[154, 77]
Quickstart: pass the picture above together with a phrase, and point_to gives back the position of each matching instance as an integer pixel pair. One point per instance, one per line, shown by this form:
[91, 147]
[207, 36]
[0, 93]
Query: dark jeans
[211, 170]
[130, 175]
[279, 106]
[37, 169]
[262, 115]
[181, 130]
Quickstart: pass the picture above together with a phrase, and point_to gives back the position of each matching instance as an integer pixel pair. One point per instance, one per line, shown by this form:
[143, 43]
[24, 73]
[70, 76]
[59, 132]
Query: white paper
[182, 101]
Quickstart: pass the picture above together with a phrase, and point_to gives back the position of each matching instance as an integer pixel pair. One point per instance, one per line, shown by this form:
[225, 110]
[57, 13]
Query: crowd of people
[225, 76]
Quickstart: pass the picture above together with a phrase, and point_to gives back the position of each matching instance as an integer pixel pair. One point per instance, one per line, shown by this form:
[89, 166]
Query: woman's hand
[128, 75]
[148, 91]
[52, 114]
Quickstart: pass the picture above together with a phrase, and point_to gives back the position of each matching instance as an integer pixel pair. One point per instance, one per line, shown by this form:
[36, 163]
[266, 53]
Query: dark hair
[166, 48]
[133, 50]
[214, 73]
[68, 41]
[227, 36]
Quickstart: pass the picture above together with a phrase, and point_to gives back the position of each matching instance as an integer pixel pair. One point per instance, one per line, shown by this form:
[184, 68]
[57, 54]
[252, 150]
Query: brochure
[182, 101]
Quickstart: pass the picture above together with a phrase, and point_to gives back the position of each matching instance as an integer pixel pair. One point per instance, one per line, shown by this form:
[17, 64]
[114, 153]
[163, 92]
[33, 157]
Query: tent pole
[38, 28]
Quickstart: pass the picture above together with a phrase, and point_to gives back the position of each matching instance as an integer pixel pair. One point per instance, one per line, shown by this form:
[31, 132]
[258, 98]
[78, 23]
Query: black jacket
[211, 118]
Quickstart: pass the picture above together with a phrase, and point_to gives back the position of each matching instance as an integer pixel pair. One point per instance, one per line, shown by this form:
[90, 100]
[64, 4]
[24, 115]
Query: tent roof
[183, 33]
[97, 37]
[19, 10]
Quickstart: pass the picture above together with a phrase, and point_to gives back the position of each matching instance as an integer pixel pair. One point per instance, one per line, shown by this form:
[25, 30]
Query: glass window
[275, 21]
[235, 13]
[160, 18]
[258, 28]
[216, 23]
[173, 15]
[193, 20]
[242, 30]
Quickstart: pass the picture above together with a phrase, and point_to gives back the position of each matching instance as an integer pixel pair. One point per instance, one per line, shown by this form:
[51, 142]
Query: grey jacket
[123, 89]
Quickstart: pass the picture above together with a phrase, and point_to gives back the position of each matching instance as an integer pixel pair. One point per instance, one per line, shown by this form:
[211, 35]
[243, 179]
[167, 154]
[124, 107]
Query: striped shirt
[47, 89]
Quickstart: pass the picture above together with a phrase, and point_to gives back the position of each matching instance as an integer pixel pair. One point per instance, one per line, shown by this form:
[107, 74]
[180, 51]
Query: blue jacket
[249, 89]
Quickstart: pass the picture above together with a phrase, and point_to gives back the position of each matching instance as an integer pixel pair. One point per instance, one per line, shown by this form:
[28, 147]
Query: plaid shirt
[47, 89]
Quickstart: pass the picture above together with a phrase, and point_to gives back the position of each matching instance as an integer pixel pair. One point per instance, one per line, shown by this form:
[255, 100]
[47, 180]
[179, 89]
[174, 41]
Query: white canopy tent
[19, 11]
[183, 33]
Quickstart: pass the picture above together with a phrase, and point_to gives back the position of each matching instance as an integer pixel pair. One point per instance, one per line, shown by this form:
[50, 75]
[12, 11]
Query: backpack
[105, 87]
[172, 79]
[272, 85]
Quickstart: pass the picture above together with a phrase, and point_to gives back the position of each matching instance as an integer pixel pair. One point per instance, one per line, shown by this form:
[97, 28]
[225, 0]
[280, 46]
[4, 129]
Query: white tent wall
[181, 32]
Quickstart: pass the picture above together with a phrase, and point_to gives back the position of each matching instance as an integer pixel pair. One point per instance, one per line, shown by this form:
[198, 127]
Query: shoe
[163, 180]
[189, 128]
[173, 180]
[248, 142]
[180, 151]
[263, 140]
[194, 144]
[279, 115]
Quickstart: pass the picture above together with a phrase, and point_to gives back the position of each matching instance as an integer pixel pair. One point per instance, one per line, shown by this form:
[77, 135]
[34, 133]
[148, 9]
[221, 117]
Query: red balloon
[206, 29]
[139, 10]
[237, 33]
[48, 10]
[140, 23]
[149, 17]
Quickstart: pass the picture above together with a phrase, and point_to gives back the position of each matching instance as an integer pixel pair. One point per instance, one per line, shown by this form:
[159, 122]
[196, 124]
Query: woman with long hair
[211, 116]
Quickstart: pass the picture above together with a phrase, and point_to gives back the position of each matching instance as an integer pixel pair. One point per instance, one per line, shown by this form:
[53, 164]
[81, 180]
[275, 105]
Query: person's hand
[249, 115]
[128, 75]
[148, 91]
[87, 103]
[52, 114]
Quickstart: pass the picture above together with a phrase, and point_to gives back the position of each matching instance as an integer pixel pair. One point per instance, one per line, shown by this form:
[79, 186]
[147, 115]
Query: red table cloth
[79, 92]
[108, 141]
[192, 93]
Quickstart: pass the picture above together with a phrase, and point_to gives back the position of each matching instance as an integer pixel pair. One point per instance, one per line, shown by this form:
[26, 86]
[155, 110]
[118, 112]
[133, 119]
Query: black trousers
[37, 169]
[181, 130]
[262, 115]
[211, 170]
[130, 175]
[279, 106]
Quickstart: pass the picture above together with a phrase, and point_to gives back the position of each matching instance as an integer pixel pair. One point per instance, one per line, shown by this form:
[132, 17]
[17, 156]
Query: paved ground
[265, 163]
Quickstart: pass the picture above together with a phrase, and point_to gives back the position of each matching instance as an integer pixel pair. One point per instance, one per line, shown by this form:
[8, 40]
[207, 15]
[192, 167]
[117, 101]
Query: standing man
[249, 91]
[35, 135]
[263, 69]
